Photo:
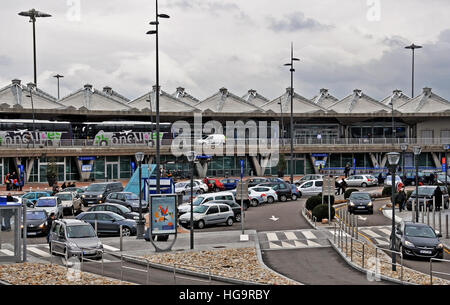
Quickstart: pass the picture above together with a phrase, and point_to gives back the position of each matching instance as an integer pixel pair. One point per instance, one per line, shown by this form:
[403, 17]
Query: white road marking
[7, 252]
[299, 244]
[309, 234]
[38, 252]
[274, 218]
[274, 246]
[385, 231]
[109, 248]
[381, 242]
[272, 237]
[312, 244]
[371, 233]
[290, 235]
[286, 245]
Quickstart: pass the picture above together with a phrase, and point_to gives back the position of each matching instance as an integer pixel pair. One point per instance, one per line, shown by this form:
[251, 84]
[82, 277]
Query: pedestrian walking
[438, 197]
[401, 199]
[432, 179]
[8, 181]
[50, 220]
[343, 186]
[380, 179]
[337, 185]
[347, 170]
[63, 186]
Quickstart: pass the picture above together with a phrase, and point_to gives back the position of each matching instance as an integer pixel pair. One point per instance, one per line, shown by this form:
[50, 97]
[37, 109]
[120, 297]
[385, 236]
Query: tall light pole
[140, 224]
[417, 150]
[413, 47]
[394, 131]
[393, 159]
[31, 87]
[158, 157]
[292, 70]
[58, 76]
[191, 156]
[404, 148]
[33, 14]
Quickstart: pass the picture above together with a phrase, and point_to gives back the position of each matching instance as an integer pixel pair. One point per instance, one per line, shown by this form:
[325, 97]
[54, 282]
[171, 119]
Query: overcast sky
[237, 44]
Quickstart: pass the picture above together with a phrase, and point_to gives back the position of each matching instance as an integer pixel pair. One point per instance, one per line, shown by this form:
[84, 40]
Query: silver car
[73, 237]
[308, 178]
[361, 180]
[208, 214]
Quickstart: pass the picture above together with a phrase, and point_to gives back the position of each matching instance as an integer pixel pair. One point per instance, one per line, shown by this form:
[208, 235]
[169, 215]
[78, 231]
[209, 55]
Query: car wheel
[364, 184]
[283, 198]
[238, 217]
[201, 224]
[270, 199]
[229, 221]
[126, 231]
[294, 197]
[254, 203]
[402, 251]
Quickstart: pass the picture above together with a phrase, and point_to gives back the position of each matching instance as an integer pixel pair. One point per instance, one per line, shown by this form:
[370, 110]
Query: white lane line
[385, 231]
[290, 235]
[109, 248]
[309, 234]
[381, 242]
[272, 237]
[39, 252]
[274, 246]
[371, 233]
[7, 252]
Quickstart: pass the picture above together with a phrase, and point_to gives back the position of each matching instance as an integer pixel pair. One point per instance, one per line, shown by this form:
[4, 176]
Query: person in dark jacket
[343, 186]
[347, 170]
[401, 199]
[50, 220]
[438, 198]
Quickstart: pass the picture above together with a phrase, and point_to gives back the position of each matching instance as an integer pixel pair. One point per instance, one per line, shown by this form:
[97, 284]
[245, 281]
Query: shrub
[312, 202]
[387, 191]
[321, 212]
[348, 192]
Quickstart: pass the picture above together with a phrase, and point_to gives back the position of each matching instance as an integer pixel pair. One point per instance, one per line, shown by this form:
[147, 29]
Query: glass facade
[378, 131]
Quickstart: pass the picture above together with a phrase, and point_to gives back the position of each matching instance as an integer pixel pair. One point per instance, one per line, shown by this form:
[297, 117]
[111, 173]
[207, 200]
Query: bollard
[423, 214]
[121, 238]
[413, 211]
[95, 227]
[357, 229]
[362, 261]
[440, 221]
[428, 216]
[446, 226]
[434, 213]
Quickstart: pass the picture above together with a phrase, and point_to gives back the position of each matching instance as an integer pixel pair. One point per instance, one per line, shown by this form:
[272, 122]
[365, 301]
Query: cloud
[296, 22]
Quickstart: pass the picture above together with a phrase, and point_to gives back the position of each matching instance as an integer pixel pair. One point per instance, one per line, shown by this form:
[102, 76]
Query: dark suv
[283, 189]
[426, 193]
[97, 192]
[127, 199]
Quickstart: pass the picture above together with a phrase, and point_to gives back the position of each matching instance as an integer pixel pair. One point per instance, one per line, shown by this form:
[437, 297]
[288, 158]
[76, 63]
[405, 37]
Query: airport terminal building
[94, 134]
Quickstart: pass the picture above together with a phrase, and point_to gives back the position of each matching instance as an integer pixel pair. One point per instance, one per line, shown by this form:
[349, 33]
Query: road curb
[3, 283]
[353, 265]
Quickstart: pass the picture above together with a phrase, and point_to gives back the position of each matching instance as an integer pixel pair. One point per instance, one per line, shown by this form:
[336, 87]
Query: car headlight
[42, 226]
[409, 244]
[370, 204]
[83, 196]
[136, 217]
[352, 204]
[440, 246]
[100, 196]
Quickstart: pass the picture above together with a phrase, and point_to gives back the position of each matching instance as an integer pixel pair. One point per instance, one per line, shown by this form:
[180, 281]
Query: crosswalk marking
[385, 231]
[286, 245]
[312, 244]
[299, 244]
[290, 235]
[381, 242]
[112, 248]
[274, 246]
[7, 252]
[309, 234]
[371, 233]
[39, 252]
[272, 236]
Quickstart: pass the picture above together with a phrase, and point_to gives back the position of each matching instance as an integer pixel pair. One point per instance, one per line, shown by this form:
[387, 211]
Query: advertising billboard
[163, 214]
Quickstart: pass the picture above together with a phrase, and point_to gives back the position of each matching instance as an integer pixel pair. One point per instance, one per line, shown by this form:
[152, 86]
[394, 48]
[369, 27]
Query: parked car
[97, 192]
[295, 192]
[440, 178]
[268, 194]
[185, 188]
[214, 185]
[37, 222]
[109, 223]
[274, 179]
[78, 190]
[52, 205]
[34, 196]
[127, 199]
[283, 189]
[418, 240]
[214, 139]
[388, 180]
[360, 202]
[310, 188]
[254, 199]
[209, 214]
[308, 178]
[426, 196]
[75, 237]
[361, 180]
[204, 198]
[71, 203]
[236, 208]
[230, 184]
[410, 178]
[202, 185]
[255, 181]
[115, 208]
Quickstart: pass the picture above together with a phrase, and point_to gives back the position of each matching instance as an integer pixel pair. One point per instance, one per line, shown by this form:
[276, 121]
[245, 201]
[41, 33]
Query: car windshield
[359, 196]
[96, 188]
[424, 191]
[181, 184]
[36, 215]
[198, 200]
[84, 231]
[46, 203]
[131, 196]
[116, 216]
[201, 209]
[419, 231]
[123, 208]
[64, 197]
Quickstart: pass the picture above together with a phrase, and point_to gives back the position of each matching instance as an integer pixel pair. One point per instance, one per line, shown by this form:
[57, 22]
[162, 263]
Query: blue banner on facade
[89, 158]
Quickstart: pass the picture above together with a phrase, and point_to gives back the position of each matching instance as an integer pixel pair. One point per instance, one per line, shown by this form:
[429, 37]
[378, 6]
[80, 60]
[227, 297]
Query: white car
[388, 181]
[202, 185]
[70, 202]
[52, 205]
[361, 180]
[204, 198]
[268, 194]
[185, 188]
[310, 188]
[308, 178]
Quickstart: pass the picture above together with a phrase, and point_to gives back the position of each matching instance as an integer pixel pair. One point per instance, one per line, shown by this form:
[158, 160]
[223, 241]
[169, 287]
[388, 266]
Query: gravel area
[48, 274]
[240, 264]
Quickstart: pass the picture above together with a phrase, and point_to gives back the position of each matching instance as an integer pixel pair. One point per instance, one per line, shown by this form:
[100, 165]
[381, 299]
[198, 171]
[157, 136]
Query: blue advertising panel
[86, 168]
[89, 158]
[242, 169]
[163, 214]
[21, 174]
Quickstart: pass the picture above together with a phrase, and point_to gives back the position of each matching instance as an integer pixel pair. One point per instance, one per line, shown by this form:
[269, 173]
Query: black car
[115, 208]
[109, 223]
[360, 202]
[418, 240]
[283, 189]
[97, 192]
[233, 205]
[410, 178]
[37, 222]
[255, 181]
[426, 195]
[127, 199]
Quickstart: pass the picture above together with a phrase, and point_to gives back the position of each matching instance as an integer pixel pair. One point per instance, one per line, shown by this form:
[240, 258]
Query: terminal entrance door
[112, 170]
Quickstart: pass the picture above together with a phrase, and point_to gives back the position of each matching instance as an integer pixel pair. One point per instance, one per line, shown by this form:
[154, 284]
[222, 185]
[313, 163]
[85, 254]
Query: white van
[203, 198]
[310, 188]
[214, 139]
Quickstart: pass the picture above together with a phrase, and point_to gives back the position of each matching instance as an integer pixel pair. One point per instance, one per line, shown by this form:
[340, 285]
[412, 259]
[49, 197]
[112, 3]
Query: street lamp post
[58, 76]
[158, 156]
[140, 224]
[393, 159]
[33, 14]
[31, 87]
[404, 148]
[413, 47]
[417, 150]
[191, 156]
[292, 70]
[394, 131]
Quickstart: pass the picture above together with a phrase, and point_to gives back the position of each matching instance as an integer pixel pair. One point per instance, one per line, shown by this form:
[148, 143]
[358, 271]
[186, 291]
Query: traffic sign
[328, 187]
[242, 188]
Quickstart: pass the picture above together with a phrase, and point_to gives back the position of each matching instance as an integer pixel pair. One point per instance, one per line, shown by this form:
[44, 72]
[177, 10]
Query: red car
[214, 185]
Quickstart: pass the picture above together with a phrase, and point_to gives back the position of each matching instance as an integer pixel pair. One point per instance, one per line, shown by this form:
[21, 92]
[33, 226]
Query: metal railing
[190, 266]
[437, 272]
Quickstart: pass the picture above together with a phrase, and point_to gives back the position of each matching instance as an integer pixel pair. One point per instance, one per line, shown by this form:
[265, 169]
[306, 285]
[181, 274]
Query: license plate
[31, 233]
[361, 207]
[183, 221]
[425, 252]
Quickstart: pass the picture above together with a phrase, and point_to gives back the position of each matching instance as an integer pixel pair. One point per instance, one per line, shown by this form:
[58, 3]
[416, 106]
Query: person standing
[401, 199]
[347, 170]
[438, 198]
[343, 186]
[50, 220]
[14, 181]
